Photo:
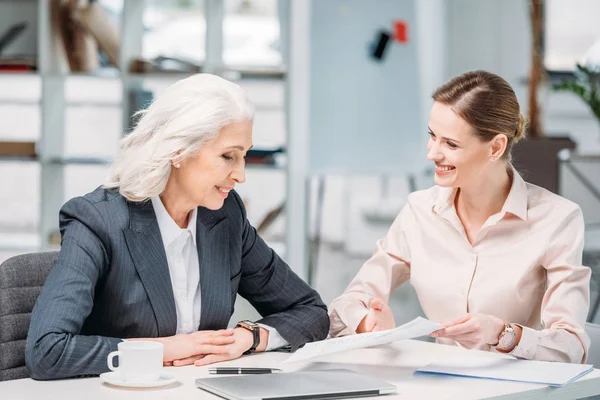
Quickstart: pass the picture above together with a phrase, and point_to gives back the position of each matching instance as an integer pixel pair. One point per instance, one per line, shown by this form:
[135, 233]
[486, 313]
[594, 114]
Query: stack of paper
[415, 328]
[542, 372]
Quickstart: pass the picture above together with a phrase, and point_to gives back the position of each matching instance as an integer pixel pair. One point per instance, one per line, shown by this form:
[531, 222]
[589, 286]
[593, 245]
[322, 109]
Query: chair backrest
[593, 331]
[21, 281]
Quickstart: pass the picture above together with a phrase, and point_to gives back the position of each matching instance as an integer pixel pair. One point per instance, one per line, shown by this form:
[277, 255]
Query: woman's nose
[433, 153]
[239, 172]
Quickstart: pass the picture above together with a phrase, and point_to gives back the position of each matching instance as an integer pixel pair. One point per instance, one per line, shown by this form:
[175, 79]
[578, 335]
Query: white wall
[365, 114]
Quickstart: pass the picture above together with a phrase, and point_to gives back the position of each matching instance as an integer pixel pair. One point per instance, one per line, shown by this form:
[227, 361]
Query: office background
[344, 131]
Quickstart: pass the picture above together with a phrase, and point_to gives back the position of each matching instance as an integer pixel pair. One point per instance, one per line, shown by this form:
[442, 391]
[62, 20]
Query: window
[572, 33]
[175, 29]
[251, 34]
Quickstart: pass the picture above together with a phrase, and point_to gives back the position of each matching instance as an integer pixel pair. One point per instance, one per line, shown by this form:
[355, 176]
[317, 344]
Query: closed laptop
[325, 384]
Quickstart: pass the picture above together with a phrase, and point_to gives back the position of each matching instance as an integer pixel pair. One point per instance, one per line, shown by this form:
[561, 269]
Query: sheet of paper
[415, 328]
[542, 372]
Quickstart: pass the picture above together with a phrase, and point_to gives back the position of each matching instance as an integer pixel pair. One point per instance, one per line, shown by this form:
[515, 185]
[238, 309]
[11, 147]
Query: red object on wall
[400, 31]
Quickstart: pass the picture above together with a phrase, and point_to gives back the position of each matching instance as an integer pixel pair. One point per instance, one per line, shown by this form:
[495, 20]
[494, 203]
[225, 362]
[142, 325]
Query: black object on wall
[379, 48]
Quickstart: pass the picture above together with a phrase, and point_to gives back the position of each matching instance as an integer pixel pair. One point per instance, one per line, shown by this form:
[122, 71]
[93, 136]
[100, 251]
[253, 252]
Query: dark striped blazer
[111, 281]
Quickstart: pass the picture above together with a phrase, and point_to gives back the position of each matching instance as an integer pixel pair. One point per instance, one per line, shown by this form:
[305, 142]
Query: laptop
[325, 384]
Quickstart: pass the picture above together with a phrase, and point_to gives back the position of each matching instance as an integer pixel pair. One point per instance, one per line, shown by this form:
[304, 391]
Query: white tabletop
[394, 363]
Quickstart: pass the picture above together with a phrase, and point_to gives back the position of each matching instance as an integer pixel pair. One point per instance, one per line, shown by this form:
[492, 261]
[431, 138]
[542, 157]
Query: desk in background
[394, 363]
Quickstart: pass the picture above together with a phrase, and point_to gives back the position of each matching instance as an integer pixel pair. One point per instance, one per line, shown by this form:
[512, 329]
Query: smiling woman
[161, 251]
[497, 260]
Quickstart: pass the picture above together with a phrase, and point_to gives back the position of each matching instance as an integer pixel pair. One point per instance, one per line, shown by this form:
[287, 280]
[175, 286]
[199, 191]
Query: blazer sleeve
[55, 348]
[282, 298]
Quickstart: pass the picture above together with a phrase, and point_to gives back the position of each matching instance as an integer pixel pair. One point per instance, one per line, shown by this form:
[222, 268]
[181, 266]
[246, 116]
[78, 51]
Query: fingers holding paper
[379, 318]
[472, 330]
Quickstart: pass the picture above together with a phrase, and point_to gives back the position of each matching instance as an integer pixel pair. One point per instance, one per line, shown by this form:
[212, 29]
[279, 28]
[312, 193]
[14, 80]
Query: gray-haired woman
[161, 250]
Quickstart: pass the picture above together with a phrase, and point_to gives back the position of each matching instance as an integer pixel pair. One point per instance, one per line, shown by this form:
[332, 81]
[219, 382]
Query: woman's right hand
[379, 318]
[202, 342]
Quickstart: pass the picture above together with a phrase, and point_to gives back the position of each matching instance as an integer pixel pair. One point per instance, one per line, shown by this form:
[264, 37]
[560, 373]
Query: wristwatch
[507, 340]
[255, 329]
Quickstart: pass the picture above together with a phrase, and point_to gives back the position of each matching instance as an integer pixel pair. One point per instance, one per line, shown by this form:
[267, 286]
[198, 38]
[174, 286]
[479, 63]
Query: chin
[444, 182]
[214, 205]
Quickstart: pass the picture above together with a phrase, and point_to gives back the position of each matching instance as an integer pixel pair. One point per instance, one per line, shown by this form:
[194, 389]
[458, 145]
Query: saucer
[114, 378]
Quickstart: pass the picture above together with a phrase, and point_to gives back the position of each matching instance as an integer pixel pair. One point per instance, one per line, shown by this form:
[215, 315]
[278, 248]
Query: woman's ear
[176, 160]
[498, 147]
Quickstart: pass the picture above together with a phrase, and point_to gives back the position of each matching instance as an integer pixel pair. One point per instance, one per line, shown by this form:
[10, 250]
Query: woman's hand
[242, 341]
[472, 330]
[202, 342]
[379, 318]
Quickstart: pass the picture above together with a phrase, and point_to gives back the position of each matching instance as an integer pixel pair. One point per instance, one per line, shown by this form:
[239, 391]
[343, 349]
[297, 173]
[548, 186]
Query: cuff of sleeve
[527, 345]
[275, 340]
[354, 315]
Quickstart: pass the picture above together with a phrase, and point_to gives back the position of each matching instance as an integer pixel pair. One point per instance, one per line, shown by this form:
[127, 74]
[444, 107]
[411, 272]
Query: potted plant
[585, 84]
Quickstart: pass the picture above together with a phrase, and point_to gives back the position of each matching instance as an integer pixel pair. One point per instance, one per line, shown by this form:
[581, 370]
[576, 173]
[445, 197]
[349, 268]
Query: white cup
[139, 361]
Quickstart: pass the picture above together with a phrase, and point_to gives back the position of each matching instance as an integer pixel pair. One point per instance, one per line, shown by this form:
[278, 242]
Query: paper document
[415, 328]
[542, 372]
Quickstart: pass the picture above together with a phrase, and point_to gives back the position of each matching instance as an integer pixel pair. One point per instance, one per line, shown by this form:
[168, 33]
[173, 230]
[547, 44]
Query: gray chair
[21, 280]
[593, 331]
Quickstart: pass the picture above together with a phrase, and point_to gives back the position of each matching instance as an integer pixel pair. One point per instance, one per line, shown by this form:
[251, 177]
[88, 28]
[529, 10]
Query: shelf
[59, 89]
[107, 161]
[19, 102]
[80, 161]
[14, 74]
[114, 73]
[59, 161]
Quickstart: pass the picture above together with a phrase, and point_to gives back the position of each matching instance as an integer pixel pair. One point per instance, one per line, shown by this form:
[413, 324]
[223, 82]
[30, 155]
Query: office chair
[21, 281]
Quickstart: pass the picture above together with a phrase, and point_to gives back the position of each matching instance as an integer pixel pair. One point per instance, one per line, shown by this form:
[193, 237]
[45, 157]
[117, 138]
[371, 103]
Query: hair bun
[521, 128]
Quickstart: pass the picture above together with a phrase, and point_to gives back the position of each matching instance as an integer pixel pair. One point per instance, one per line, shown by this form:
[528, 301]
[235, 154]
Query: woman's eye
[227, 157]
[431, 135]
[452, 145]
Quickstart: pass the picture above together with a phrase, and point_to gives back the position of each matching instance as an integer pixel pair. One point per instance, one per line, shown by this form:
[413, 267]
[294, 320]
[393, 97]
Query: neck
[486, 197]
[177, 205]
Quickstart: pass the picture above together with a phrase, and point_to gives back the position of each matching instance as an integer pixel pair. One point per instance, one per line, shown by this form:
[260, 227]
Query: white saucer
[114, 378]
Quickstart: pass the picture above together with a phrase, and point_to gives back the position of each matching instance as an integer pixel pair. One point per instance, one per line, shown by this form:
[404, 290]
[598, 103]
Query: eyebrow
[240, 148]
[443, 137]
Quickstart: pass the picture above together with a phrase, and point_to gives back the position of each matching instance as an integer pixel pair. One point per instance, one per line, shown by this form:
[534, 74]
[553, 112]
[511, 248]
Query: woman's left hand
[243, 340]
[472, 330]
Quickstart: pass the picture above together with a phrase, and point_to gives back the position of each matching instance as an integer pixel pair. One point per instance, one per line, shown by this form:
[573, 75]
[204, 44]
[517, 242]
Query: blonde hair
[189, 113]
[488, 103]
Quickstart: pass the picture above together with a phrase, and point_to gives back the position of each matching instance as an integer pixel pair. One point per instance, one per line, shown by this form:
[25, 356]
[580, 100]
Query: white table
[394, 363]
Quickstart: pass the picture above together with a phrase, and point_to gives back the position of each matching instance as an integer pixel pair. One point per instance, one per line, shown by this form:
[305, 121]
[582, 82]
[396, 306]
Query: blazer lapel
[212, 237]
[148, 254]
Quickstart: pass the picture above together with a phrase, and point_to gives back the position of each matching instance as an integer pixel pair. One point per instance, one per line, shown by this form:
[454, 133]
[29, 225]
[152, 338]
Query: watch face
[507, 339]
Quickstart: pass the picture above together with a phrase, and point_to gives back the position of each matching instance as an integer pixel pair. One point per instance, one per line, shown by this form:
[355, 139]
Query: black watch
[255, 329]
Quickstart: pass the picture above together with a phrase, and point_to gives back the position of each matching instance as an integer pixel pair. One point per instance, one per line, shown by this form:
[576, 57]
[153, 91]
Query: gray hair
[189, 113]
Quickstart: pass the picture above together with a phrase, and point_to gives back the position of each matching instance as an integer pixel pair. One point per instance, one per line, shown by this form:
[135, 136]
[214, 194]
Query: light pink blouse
[525, 267]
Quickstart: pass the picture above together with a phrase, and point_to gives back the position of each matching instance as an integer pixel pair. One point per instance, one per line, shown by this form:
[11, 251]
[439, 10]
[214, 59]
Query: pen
[241, 370]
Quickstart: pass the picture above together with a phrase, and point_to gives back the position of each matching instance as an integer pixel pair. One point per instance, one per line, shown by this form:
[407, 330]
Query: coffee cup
[139, 360]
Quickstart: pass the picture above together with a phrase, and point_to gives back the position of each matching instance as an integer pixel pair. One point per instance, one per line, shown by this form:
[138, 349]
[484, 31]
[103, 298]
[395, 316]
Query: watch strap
[255, 329]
